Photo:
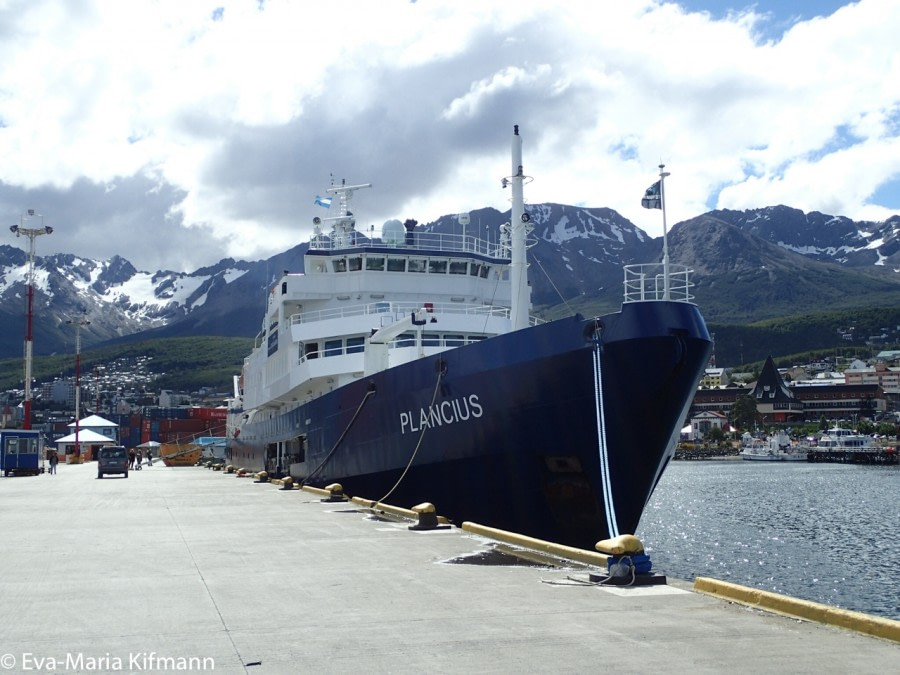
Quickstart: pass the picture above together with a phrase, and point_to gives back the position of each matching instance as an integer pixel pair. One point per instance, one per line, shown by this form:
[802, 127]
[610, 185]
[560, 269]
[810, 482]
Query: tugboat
[408, 369]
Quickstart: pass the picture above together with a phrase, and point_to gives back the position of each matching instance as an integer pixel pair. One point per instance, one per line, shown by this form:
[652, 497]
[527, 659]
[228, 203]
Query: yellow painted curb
[803, 609]
[558, 550]
[395, 510]
[315, 490]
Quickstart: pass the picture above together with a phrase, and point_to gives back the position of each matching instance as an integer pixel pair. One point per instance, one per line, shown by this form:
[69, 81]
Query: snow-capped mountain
[820, 236]
[749, 264]
[114, 297]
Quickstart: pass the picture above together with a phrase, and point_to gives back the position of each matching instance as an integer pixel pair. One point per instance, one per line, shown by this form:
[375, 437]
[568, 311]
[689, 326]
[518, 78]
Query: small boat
[175, 454]
[776, 448]
[837, 440]
[408, 369]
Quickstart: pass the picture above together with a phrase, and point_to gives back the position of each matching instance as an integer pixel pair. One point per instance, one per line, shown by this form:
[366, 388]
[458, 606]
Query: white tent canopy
[93, 421]
[85, 436]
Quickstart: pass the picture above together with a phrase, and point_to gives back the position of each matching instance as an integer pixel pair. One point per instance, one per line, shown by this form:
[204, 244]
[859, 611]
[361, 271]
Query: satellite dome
[392, 232]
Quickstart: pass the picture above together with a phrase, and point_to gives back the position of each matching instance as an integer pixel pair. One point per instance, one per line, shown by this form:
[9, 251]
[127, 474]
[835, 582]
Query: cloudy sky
[178, 133]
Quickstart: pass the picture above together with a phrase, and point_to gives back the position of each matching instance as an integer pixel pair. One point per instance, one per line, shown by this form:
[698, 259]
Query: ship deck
[173, 564]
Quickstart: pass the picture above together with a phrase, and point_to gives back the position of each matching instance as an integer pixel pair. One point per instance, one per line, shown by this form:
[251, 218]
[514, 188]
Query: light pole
[32, 233]
[78, 324]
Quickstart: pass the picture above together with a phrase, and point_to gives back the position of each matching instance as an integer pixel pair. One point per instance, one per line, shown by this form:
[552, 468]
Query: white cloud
[178, 133]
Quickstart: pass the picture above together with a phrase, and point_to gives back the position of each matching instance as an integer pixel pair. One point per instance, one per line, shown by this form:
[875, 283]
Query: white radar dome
[392, 232]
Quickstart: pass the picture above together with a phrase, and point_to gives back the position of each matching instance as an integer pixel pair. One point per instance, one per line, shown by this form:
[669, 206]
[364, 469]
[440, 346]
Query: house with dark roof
[775, 402]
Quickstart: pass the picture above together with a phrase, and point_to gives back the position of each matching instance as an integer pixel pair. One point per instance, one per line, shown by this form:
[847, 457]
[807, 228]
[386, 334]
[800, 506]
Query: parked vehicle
[112, 459]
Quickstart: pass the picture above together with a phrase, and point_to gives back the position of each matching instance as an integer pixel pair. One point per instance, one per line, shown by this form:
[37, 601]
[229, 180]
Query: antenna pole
[662, 199]
[518, 271]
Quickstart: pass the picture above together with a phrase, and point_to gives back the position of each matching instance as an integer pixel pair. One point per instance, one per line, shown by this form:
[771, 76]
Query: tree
[743, 412]
[715, 435]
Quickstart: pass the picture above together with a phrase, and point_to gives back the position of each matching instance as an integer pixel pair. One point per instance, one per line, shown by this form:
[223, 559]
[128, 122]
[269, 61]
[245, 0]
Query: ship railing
[397, 309]
[415, 241]
[650, 282]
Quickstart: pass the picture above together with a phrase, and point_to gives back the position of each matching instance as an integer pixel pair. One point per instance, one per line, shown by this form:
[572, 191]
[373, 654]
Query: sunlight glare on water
[821, 532]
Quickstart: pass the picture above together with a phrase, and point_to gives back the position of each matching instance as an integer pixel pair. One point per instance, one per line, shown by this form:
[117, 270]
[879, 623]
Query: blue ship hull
[559, 431]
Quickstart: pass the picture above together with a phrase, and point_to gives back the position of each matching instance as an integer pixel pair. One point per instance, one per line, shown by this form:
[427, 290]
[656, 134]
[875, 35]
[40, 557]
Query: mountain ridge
[748, 266]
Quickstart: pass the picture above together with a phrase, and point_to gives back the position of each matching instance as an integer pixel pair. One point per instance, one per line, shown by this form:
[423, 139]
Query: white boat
[845, 440]
[776, 448]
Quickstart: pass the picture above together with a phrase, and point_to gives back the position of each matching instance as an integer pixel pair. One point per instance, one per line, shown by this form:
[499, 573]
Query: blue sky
[778, 15]
[179, 133]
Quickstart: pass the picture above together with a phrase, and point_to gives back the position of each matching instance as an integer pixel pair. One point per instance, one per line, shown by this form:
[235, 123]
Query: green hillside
[820, 332]
[182, 363]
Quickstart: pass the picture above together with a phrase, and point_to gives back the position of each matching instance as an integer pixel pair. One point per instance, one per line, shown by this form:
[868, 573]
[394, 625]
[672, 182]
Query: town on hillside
[118, 405]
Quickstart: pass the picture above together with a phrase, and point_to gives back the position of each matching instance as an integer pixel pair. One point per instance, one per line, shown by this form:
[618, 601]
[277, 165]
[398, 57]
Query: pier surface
[190, 570]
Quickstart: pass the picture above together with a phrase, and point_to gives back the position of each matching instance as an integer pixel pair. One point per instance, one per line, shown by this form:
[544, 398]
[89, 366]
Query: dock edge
[876, 626]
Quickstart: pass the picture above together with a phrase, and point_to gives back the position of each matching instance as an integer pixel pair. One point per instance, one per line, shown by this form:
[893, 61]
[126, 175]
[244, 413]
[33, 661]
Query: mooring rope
[437, 384]
[369, 393]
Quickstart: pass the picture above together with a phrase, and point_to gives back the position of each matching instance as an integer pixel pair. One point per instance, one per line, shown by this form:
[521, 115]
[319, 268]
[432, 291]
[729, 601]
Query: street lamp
[32, 233]
[78, 324]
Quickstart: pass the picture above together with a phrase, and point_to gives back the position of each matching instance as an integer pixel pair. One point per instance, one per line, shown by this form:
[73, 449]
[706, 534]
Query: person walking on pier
[54, 460]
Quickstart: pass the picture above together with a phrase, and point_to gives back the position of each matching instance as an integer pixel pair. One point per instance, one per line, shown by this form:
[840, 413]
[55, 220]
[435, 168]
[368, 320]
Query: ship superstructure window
[416, 265]
[333, 348]
[454, 340]
[406, 340]
[339, 265]
[431, 340]
[475, 269]
[355, 264]
[355, 345]
[396, 264]
[375, 264]
[437, 266]
[458, 267]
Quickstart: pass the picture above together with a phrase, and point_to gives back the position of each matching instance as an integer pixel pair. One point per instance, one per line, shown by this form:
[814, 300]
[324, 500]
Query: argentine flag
[323, 201]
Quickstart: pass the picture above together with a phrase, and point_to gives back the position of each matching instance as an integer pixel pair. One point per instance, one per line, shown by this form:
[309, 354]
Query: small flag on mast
[652, 198]
[323, 201]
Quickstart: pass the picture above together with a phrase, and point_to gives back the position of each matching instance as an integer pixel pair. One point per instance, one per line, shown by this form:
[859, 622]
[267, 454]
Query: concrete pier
[193, 570]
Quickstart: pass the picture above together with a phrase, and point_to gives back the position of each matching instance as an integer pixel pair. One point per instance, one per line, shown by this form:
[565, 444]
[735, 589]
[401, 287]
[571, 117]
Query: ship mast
[518, 269]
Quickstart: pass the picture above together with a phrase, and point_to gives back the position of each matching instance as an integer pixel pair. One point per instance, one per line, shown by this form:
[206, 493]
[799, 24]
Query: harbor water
[821, 532]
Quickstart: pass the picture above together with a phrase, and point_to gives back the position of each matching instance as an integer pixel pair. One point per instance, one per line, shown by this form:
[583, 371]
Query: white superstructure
[364, 305]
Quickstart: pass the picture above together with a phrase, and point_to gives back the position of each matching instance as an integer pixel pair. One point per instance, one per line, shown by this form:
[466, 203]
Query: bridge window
[416, 265]
[396, 264]
[355, 345]
[333, 347]
[458, 267]
[375, 264]
[437, 266]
